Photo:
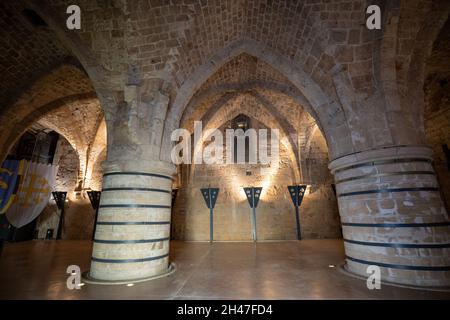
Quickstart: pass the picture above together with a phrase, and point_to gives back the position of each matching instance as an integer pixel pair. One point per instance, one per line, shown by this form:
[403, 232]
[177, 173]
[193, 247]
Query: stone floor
[266, 270]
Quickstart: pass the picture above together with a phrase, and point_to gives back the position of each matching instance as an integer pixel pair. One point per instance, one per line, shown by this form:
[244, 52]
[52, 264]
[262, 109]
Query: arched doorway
[71, 138]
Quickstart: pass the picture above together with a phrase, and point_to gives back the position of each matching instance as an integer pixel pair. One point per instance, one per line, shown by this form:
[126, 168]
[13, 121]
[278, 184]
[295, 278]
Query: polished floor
[266, 270]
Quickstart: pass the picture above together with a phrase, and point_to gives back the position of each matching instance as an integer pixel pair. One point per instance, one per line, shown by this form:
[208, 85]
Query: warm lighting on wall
[236, 186]
[269, 174]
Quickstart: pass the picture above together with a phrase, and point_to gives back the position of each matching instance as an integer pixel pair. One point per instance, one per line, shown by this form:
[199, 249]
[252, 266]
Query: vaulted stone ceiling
[82, 124]
[78, 122]
[437, 84]
[242, 74]
[242, 69]
[28, 49]
[168, 41]
[38, 73]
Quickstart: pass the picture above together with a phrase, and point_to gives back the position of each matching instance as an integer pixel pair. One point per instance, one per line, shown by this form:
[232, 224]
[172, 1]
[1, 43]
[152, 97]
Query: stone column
[393, 216]
[132, 235]
[133, 228]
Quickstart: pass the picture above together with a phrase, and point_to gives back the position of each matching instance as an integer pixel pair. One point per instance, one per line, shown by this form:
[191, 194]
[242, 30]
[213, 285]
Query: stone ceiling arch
[290, 131]
[51, 14]
[226, 89]
[31, 51]
[404, 49]
[61, 85]
[232, 108]
[322, 106]
[82, 124]
[67, 120]
[423, 47]
[13, 131]
[40, 49]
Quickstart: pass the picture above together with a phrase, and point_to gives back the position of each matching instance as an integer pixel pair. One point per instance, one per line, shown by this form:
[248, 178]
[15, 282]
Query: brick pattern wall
[25, 50]
[275, 214]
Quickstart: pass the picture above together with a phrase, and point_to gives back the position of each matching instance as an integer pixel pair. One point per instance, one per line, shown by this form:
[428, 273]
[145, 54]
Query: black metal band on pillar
[356, 193]
[60, 199]
[94, 198]
[399, 266]
[297, 193]
[386, 174]
[381, 162]
[172, 217]
[131, 223]
[131, 241]
[400, 245]
[397, 225]
[156, 206]
[136, 189]
[145, 174]
[129, 260]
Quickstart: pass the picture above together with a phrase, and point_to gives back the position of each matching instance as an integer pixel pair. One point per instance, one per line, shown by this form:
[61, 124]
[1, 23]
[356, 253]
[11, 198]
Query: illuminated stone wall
[79, 154]
[275, 212]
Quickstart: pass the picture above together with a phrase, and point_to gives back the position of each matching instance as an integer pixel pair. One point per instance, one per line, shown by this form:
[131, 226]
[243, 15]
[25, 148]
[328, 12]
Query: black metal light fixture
[60, 199]
[210, 195]
[253, 195]
[174, 196]
[94, 198]
[297, 192]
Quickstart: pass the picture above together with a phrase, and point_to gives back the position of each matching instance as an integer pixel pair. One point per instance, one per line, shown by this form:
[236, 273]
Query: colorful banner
[33, 194]
[10, 172]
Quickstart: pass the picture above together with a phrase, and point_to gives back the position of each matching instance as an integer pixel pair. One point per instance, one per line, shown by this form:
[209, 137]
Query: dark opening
[35, 146]
[443, 82]
[446, 150]
[241, 122]
[34, 18]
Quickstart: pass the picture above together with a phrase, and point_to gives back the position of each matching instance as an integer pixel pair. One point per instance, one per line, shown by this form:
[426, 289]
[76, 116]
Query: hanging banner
[10, 172]
[33, 193]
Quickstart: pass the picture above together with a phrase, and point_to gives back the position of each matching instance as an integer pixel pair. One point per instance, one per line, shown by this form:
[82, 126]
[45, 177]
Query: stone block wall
[319, 216]
[79, 215]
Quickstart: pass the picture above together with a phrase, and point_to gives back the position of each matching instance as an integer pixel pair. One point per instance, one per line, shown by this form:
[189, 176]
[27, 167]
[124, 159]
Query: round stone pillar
[393, 216]
[133, 228]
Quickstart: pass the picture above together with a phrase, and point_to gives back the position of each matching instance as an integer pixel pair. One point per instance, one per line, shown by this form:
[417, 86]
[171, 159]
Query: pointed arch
[227, 111]
[320, 106]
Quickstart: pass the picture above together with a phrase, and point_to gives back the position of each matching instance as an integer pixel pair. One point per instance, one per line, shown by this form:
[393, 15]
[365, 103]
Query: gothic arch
[229, 110]
[322, 106]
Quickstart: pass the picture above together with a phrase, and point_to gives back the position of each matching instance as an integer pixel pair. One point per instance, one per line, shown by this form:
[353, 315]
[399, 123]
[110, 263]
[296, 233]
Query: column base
[87, 279]
[343, 268]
